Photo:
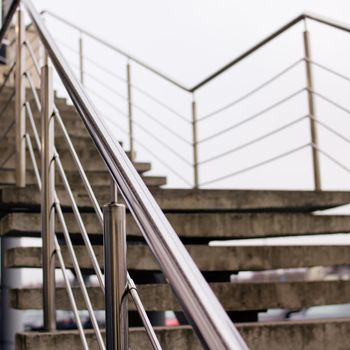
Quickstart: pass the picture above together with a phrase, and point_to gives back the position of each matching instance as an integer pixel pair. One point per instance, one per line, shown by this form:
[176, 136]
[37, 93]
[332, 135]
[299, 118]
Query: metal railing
[206, 315]
[198, 158]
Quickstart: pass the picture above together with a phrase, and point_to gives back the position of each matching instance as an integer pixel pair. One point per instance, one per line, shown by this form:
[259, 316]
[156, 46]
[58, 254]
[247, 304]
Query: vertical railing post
[20, 120]
[311, 105]
[194, 143]
[47, 196]
[130, 114]
[116, 290]
[81, 58]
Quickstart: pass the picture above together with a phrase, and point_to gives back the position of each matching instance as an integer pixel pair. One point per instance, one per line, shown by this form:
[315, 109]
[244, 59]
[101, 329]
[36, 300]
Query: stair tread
[219, 225]
[207, 199]
[321, 334]
[96, 177]
[207, 258]
[233, 296]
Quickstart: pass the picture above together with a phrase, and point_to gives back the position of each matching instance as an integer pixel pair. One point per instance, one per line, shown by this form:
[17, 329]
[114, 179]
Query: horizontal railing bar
[70, 248]
[204, 312]
[106, 101]
[143, 315]
[252, 117]
[330, 101]
[80, 223]
[81, 170]
[327, 155]
[163, 162]
[250, 93]
[137, 88]
[59, 254]
[330, 129]
[340, 75]
[103, 99]
[251, 142]
[114, 48]
[32, 88]
[79, 274]
[106, 86]
[71, 296]
[32, 156]
[152, 117]
[34, 60]
[92, 91]
[33, 126]
[257, 165]
[90, 60]
[242, 56]
[113, 121]
[164, 144]
[159, 102]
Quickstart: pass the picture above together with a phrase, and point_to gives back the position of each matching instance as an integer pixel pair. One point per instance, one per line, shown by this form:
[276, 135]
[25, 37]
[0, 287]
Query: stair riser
[233, 296]
[207, 258]
[209, 200]
[208, 225]
[320, 335]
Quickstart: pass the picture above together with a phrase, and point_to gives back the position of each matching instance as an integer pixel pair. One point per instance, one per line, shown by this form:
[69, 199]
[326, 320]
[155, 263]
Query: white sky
[188, 40]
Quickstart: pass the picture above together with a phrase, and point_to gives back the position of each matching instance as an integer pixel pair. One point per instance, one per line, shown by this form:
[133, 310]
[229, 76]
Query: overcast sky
[190, 39]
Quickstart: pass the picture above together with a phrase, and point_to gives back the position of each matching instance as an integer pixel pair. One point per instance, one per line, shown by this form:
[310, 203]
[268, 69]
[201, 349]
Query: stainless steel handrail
[205, 313]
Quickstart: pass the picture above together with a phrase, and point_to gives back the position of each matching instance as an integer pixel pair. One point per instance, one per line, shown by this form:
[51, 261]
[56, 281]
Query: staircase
[91, 171]
[199, 217]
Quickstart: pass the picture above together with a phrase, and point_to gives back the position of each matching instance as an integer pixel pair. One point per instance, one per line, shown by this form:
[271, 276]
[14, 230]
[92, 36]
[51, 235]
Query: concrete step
[307, 335]
[91, 161]
[80, 143]
[203, 199]
[96, 178]
[233, 296]
[207, 258]
[220, 225]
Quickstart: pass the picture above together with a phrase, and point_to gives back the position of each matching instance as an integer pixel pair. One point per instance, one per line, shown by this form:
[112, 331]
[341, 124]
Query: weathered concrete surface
[305, 335]
[233, 296]
[90, 162]
[96, 178]
[207, 258]
[214, 200]
[210, 225]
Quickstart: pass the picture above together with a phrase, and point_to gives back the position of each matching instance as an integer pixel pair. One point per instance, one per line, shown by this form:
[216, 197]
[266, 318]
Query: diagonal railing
[196, 158]
[206, 315]
[201, 307]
